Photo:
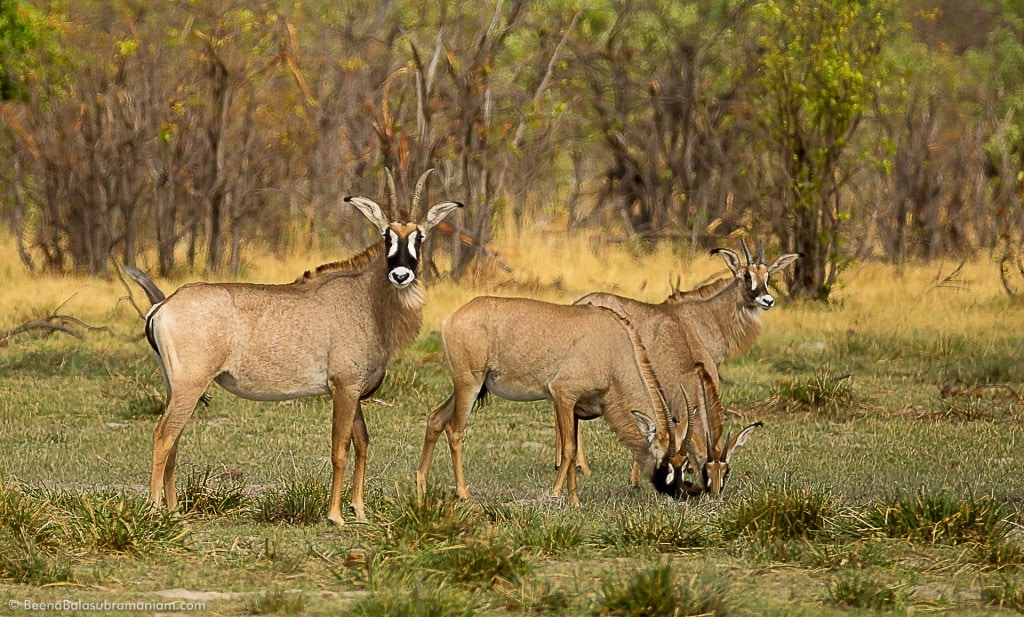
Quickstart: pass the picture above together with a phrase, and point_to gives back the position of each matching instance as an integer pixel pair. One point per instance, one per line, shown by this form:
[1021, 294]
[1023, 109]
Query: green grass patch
[300, 501]
[860, 590]
[825, 390]
[1005, 591]
[276, 601]
[781, 511]
[204, 495]
[23, 561]
[941, 518]
[421, 602]
[656, 592]
[663, 530]
[113, 522]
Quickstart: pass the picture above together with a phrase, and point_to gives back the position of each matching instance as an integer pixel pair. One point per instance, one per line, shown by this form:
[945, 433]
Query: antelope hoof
[584, 469]
[335, 517]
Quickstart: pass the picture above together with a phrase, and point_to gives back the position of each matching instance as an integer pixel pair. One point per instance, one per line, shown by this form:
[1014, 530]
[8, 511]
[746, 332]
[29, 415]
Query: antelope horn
[725, 446]
[746, 251]
[419, 188]
[392, 193]
[760, 251]
[691, 415]
[707, 445]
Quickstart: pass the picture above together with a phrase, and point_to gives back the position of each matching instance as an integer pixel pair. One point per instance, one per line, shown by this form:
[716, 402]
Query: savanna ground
[887, 476]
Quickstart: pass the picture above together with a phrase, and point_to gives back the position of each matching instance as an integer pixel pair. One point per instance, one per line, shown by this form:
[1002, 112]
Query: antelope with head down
[587, 360]
[332, 331]
[704, 326]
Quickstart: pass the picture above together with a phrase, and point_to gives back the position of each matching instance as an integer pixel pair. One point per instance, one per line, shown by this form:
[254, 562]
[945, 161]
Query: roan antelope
[332, 331]
[587, 360]
[707, 325]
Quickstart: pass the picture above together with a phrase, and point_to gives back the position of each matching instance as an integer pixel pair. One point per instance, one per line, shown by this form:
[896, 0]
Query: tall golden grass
[872, 298]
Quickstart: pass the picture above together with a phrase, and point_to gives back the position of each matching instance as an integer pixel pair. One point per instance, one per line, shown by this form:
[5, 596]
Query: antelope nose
[766, 301]
[401, 276]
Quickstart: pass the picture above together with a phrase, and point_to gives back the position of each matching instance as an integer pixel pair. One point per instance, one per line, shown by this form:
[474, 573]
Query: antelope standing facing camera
[332, 331]
[709, 324]
[587, 360]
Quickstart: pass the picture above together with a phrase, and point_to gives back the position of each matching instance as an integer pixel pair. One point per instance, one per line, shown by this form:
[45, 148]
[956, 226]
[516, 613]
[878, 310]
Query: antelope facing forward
[709, 324]
[587, 360]
[332, 331]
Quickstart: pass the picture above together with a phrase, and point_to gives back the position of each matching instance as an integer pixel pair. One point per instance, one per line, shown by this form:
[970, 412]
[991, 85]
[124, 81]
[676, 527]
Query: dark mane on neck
[704, 292]
[358, 263]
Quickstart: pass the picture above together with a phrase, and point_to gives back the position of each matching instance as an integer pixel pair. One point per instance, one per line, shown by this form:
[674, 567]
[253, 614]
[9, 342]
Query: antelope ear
[740, 439]
[437, 214]
[371, 211]
[731, 259]
[646, 426]
[783, 261]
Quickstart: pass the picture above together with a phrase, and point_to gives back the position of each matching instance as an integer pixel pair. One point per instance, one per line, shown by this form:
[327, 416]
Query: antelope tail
[153, 292]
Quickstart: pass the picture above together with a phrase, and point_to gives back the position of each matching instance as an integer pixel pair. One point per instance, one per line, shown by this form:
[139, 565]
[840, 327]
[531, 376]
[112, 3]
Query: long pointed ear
[437, 214]
[783, 261]
[731, 259]
[648, 428]
[371, 211]
[741, 439]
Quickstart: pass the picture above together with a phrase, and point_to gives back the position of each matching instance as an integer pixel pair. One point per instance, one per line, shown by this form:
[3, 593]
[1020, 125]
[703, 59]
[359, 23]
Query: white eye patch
[414, 239]
[392, 242]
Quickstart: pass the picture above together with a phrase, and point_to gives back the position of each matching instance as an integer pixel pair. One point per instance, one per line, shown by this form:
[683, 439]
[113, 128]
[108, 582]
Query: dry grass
[873, 298]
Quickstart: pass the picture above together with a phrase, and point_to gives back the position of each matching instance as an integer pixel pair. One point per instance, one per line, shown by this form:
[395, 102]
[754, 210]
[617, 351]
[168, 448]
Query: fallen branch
[953, 280]
[54, 322]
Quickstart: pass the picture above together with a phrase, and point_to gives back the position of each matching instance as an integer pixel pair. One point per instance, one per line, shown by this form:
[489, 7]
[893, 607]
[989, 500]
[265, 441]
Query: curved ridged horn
[707, 443]
[760, 251]
[419, 188]
[725, 446]
[691, 415]
[746, 251]
[392, 193]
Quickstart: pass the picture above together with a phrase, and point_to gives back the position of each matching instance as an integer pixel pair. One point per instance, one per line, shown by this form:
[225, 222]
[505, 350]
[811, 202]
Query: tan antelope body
[587, 360]
[703, 327]
[333, 331]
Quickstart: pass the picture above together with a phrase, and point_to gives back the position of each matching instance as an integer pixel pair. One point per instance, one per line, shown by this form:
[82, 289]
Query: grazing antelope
[715, 322]
[332, 331]
[587, 360]
[709, 455]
